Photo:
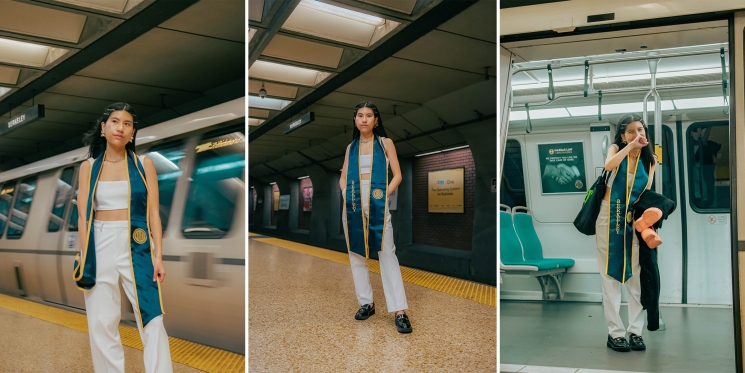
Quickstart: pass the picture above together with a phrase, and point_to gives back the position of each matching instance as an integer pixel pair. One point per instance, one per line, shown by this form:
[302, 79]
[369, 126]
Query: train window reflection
[512, 188]
[708, 158]
[166, 160]
[64, 190]
[21, 208]
[6, 198]
[216, 183]
[72, 224]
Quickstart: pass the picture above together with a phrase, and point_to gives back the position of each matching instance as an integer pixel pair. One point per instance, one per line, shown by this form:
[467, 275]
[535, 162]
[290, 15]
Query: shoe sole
[639, 348]
[616, 348]
[640, 224]
[400, 330]
[364, 318]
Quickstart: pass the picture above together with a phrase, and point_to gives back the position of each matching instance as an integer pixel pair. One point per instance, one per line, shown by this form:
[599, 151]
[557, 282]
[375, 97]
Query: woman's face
[365, 120]
[633, 129]
[119, 128]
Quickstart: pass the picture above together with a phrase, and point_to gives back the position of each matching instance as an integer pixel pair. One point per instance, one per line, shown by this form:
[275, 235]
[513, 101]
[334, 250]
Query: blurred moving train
[200, 162]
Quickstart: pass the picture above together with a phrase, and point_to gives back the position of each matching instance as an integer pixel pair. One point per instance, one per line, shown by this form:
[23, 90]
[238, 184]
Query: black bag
[585, 220]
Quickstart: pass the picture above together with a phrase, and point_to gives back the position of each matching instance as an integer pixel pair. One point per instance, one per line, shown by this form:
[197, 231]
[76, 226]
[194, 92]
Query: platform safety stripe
[476, 292]
[208, 359]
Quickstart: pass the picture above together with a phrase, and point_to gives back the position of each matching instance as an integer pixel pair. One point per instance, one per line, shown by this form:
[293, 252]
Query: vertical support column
[505, 99]
[480, 137]
[737, 141]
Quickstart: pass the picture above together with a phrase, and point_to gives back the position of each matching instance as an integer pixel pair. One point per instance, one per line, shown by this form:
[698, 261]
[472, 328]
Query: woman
[120, 235]
[631, 163]
[366, 219]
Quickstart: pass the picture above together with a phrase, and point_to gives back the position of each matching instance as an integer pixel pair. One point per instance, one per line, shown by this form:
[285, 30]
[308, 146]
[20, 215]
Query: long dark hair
[93, 137]
[379, 130]
[647, 155]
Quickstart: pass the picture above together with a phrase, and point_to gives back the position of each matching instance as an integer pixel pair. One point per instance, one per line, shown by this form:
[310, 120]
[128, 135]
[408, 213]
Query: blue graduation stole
[620, 227]
[363, 232]
[147, 292]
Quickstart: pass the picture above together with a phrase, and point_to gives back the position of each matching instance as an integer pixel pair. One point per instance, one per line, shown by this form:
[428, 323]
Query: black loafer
[365, 311]
[403, 324]
[637, 343]
[618, 344]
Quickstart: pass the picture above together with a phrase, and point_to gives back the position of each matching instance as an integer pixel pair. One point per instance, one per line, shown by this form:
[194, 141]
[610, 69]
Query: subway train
[200, 162]
[562, 92]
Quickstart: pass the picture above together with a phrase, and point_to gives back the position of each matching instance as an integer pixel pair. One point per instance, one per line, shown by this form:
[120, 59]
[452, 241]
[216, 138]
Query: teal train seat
[521, 252]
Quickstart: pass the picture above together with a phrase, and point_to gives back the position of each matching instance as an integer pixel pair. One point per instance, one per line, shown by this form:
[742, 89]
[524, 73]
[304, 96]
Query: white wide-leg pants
[390, 272]
[612, 288]
[103, 306]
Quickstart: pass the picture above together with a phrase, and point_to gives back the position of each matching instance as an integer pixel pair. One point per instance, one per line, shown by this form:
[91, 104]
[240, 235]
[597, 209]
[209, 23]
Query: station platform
[563, 337]
[41, 338]
[301, 316]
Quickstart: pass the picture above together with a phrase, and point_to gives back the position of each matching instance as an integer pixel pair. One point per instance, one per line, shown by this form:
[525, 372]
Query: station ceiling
[166, 58]
[428, 65]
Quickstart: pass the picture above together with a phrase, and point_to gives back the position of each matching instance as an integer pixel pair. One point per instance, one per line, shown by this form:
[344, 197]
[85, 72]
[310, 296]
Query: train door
[53, 237]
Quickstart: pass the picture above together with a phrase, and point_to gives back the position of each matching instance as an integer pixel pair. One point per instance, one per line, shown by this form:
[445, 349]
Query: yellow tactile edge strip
[208, 359]
[480, 293]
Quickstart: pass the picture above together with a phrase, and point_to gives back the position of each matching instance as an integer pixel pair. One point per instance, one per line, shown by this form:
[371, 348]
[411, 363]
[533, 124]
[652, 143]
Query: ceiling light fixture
[267, 103]
[342, 12]
[262, 91]
[631, 107]
[285, 73]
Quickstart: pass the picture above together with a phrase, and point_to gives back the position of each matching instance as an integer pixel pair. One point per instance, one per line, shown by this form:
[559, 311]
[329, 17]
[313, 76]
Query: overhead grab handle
[529, 127]
[600, 105]
[551, 92]
[587, 74]
[724, 81]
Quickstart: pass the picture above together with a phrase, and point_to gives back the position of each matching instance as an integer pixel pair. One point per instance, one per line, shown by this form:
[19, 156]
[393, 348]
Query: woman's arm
[390, 151]
[156, 229]
[615, 156]
[83, 181]
[343, 178]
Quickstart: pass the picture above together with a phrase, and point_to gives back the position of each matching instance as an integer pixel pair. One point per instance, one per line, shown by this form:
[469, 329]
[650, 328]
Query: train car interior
[565, 96]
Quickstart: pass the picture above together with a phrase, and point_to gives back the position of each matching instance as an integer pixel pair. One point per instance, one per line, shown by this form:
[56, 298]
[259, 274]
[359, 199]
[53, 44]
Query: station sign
[299, 122]
[27, 116]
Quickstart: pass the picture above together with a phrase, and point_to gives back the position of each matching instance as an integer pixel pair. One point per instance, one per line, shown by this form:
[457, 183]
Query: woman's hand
[158, 271]
[639, 142]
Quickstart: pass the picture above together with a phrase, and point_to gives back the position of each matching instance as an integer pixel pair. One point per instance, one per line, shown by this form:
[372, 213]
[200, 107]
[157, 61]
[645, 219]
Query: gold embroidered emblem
[139, 236]
[378, 193]
[629, 217]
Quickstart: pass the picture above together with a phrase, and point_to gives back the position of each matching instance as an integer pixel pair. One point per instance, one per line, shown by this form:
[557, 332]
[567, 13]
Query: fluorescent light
[302, 177]
[273, 183]
[699, 103]
[518, 115]
[286, 73]
[342, 12]
[28, 54]
[251, 33]
[255, 121]
[115, 6]
[3, 91]
[620, 78]
[267, 103]
[336, 23]
[442, 151]
[549, 113]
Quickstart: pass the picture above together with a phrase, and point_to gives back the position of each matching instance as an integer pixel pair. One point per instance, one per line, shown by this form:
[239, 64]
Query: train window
[512, 188]
[169, 168]
[708, 166]
[668, 159]
[21, 207]
[64, 190]
[6, 199]
[72, 224]
[216, 183]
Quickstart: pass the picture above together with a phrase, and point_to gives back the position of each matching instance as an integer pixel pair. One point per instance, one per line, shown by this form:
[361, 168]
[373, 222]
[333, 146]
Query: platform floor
[546, 334]
[301, 317]
[36, 337]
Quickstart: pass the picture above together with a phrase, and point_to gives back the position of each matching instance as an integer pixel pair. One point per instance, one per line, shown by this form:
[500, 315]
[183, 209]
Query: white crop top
[111, 195]
[365, 161]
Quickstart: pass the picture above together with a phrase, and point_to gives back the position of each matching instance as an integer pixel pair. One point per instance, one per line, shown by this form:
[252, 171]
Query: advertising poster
[446, 191]
[284, 202]
[308, 199]
[275, 200]
[562, 167]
